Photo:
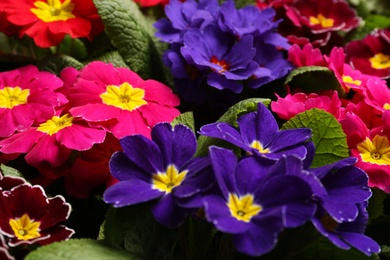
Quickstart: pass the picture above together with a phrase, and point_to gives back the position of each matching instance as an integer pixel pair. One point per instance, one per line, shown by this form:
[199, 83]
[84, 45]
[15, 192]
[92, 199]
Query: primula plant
[195, 129]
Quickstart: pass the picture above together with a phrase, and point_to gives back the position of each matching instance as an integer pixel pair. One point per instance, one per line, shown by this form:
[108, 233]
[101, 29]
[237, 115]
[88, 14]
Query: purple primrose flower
[160, 168]
[259, 134]
[250, 204]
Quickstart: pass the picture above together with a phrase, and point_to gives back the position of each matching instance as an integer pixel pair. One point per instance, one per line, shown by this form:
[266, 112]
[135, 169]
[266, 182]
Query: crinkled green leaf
[56, 63]
[134, 229]
[186, 118]
[114, 58]
[77, 249]
[230, 117]
[377, 21]
[313, 79]
[9, 171]
[130, 33]
[328, 136]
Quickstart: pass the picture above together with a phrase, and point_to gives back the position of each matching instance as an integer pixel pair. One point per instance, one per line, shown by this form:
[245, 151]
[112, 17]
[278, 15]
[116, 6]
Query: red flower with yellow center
[27, 216]
[48, 21]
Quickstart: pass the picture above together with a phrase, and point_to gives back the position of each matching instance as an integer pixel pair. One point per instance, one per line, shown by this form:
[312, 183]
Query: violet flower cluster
[226, 47]
[253, 197]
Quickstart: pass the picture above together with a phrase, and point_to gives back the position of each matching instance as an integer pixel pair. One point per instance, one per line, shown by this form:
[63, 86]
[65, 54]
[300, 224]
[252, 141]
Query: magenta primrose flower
[28, 216]
[52, 141]
[119, 100]
[26, 96]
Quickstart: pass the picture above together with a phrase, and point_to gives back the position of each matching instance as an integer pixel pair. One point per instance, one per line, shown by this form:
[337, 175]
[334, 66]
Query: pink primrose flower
[119, 100]
[26, 96]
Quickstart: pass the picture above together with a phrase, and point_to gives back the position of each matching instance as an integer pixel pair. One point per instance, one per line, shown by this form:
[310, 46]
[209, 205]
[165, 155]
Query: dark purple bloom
[259, 134]
[250, 204]
[347, 234]
[247, 20]
[345, 185]
[272, 64]
[163, 169]
[341, 215]
[184, 15]
[215, 50]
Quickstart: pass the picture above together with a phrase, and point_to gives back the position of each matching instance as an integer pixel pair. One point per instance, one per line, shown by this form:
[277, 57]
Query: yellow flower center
[12, 97]
[55, 124]
[53, 10]
[386, 106]
[380, 61]
[321, 20]
[257, 145]
[350, 80]
[25, 228]
[243, 208]
[376, 151]
[168, 180]
[124, 96]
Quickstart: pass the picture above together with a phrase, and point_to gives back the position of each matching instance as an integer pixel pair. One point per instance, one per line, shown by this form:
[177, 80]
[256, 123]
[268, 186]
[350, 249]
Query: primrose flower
[291, 105]
[48, 21]
[149, 3]
[371, 148]
[249, 204]
[259, 134]
[323, 16]
[165, 170]
[341, 213]
[119, 100]
[216, 50]
[371, 55]
[51, 142]
[27, 216]
[26, 96]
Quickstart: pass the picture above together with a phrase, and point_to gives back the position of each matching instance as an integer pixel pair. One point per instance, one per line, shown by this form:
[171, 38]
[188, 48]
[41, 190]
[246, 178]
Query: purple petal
[361, 242]
[289, 137]
[130, 192]
[220, 82]
[224, 163]
[150, 159]
[123, 169]
[177, 144]
[168, 213]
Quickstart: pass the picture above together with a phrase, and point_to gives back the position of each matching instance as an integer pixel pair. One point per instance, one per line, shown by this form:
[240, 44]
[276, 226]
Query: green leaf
[130, 33]
[243, 3]
[76, 249]
[73, 47]
[230, 117]
[328, 136]
[377, 21]
[323, 249]
[186, 118]
[9, 171]
[114, 58]
[56, 63]
[375, 203]
[134, 229]
[313, 79]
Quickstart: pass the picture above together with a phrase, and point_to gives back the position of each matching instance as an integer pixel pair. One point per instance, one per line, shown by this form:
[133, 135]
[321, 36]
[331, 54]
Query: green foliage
[186, 118]
[56, 63]
[134, 229]
[76, 249]
[328, 136]
[9, 171]
[375, 204]
[230, 117]
[131, 33]
[313, 79]
[73, 47]
[114, 58]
